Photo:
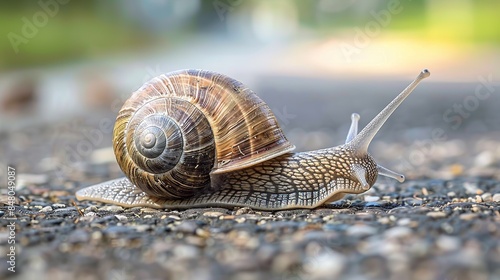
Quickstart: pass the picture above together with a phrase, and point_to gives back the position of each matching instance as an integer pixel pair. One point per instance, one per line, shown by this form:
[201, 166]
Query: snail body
[195, 138]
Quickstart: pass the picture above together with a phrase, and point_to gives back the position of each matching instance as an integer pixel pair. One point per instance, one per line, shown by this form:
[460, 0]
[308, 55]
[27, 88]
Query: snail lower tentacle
[196, 138]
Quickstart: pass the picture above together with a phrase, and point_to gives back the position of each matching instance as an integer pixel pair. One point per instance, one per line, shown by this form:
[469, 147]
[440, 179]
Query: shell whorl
[180, 127]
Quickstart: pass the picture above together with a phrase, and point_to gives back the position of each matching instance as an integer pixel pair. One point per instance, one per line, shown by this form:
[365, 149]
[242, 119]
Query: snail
[194, 138]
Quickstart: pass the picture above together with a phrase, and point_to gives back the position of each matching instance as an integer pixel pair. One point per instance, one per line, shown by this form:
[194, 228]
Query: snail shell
[180, 127]
[195, 138]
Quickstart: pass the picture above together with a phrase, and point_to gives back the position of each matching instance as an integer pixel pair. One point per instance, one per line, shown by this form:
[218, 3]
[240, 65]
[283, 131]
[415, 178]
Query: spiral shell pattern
[181, 127]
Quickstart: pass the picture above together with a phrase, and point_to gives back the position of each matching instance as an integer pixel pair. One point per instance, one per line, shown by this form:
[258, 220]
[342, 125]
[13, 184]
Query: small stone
[115, 231]
[436, 215]
[188, 226]
[213, 214]
[148, 216]
[149, 210]
[142, 228]
[484, 159]
[470, 188]
[413, 201]
[46, 209]
[244, 210]
[227, 217]
[448, 243]
[121, 218]
[173, 217]
[468, 216]
[404, 222]
[58, 205]
[479, 199]
[496, 197]
[90, 214]
[425, 192]
[451, 194]
[203, 233]
[63, 210]
[373, 204]
[79, 236]
[185, 251]
[361, 230]
[240, 220]
[398, 232]
[486, 197]
[96, 235]
[327, 265]
[384, 220]
[92, 208]
[111, 208]
[369, 198]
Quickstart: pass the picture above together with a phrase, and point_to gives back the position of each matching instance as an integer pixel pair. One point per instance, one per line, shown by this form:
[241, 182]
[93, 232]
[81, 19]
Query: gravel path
[442, 223]
[422, 229]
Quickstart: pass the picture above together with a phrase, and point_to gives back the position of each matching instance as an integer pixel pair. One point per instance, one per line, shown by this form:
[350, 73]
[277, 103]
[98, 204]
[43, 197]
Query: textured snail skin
[295, 180]
[231, 163]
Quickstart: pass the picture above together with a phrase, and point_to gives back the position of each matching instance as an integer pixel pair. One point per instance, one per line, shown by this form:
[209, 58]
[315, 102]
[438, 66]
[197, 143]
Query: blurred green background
[63, 31]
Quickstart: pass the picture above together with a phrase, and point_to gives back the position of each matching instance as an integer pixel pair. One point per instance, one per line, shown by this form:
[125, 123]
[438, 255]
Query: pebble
[384, 220]
[486, 197]
[46, 209]
[90, 214]
[149, 210]
[369, 198]
[174, 217]
[398, 232]
[361, 230]
[111, 208]
[188, 226]
[496, 197]
[244, 210]
[468, 216]
[213, 214]
[448, 243]
[404, 222]
[186, 252]
[142, 228]
[436, 215]
[121, 218]
[79, 236]
[58, 205]
[65, 210]
[471, 188]
[425, 192]
[327, 265]
[413, 201]
[115, 231]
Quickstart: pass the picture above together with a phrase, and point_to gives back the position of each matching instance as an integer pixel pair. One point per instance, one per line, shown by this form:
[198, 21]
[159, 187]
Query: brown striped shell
[181, 127]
